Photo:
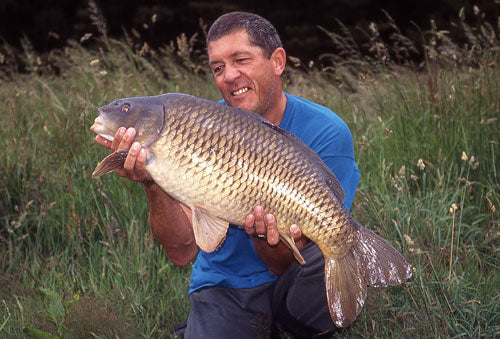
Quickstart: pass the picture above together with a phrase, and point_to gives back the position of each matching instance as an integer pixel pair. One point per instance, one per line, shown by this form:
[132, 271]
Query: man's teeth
[240, 91]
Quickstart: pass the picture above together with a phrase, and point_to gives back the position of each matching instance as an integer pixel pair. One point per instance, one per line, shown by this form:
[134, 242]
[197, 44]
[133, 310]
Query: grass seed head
[453, 208]
[464, 156]
[420, 164]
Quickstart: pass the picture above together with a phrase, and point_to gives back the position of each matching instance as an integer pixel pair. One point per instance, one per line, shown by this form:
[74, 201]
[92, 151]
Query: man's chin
[242, 105]
[243, 101]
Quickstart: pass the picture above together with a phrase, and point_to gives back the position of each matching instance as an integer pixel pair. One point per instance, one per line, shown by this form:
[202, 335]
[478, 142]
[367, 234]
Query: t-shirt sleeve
[347, 173]
[335, 148]
[329, 136]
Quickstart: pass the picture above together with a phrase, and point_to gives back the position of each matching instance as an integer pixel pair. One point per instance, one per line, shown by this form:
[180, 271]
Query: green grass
[65, 232]
[410, 130]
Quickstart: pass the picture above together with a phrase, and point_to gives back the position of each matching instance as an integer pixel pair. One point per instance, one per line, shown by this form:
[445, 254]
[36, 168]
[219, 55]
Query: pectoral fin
[111, 163]
[209, 231]
[288, 240]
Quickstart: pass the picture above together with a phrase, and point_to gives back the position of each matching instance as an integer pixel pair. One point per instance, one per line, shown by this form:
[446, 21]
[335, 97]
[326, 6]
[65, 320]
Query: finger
[118, 138]
[260, 225]
[103, 142]
[129, 163]
[249, 224]
[295, 232]
[140, 164]
[127, 140]
[141, 159]
[273, 236]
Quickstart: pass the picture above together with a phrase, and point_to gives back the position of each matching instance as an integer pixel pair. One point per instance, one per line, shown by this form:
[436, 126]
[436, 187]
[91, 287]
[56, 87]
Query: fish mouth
[99, 128]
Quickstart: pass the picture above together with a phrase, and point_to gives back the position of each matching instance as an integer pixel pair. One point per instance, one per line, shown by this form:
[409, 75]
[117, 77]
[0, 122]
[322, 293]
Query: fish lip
[97, 122]
[107, 137]
[99, 129]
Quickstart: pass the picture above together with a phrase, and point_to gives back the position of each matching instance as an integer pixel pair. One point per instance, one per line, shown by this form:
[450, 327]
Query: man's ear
[278, 60]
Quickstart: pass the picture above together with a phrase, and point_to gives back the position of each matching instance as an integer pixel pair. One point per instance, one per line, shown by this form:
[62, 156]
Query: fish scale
[221, 162]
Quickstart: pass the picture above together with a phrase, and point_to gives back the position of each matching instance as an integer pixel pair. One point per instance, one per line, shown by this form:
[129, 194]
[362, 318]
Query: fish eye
[125, 108]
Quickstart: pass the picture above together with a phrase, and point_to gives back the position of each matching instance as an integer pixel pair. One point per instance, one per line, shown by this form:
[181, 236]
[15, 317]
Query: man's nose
[231, 73]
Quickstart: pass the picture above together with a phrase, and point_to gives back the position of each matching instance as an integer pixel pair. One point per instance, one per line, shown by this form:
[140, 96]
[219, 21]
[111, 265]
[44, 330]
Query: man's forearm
[170, 225]
[277, 258]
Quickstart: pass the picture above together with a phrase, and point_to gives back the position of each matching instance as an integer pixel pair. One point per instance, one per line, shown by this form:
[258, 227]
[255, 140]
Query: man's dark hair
[260, 31]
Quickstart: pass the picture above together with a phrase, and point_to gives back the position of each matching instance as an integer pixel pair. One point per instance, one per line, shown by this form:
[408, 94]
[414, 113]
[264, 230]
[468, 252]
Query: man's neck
[276, 113]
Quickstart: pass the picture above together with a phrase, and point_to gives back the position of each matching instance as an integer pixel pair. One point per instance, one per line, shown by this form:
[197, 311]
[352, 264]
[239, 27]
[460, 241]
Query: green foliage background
[426, 141]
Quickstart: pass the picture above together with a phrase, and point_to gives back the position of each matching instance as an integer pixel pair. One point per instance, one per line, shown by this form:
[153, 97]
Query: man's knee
[303, 309]
[218, 312]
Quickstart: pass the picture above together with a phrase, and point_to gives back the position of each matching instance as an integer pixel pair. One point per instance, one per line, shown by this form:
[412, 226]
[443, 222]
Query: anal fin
[209, 231]
[288, 240]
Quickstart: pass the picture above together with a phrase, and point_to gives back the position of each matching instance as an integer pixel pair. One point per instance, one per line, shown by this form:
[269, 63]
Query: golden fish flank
[221, 162]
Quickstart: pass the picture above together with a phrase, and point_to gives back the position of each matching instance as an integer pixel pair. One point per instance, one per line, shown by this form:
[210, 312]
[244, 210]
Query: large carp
[221, 162]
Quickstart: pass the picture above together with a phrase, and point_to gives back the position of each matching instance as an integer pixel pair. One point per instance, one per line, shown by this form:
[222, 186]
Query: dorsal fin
[329, 178]
[332, 182]
[327, 174]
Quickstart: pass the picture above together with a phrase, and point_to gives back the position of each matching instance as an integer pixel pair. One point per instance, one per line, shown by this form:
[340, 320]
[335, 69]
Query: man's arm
[169, 220]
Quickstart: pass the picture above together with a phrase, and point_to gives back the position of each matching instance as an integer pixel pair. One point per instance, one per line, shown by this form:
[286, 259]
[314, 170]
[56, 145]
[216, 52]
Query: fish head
[145, 114]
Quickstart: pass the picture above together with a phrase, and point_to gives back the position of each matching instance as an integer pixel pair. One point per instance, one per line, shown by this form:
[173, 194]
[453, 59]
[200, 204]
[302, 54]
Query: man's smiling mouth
[240, 91]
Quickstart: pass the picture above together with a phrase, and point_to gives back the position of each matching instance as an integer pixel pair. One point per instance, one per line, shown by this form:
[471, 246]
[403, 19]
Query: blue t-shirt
[236, 264]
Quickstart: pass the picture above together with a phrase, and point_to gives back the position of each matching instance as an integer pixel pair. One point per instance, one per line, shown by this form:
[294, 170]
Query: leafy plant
[56, 309]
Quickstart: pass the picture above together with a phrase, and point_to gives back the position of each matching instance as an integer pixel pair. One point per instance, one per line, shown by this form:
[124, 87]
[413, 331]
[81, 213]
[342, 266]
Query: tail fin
[111, 163]
[345, 289]
[371, 261]
[380, 263]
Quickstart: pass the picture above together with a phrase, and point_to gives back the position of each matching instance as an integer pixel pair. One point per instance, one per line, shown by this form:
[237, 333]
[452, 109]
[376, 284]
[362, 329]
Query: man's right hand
[169, 219]
[134, 167]
[275, 254]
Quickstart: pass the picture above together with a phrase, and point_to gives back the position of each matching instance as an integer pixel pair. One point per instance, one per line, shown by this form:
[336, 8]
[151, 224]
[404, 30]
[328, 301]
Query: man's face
[244, 76]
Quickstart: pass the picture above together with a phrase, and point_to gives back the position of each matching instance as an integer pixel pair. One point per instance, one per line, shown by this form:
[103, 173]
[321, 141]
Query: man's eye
[217, 69]
[125, 108]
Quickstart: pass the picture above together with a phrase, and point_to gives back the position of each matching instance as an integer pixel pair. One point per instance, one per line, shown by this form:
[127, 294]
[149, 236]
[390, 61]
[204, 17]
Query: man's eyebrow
[237, 53]
[233, 55]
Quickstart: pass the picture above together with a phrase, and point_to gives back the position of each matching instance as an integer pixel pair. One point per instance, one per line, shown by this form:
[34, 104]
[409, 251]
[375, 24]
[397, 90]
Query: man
[251, 284]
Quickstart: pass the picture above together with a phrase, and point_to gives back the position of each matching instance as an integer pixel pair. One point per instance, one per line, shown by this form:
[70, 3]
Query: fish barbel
[221, 162]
